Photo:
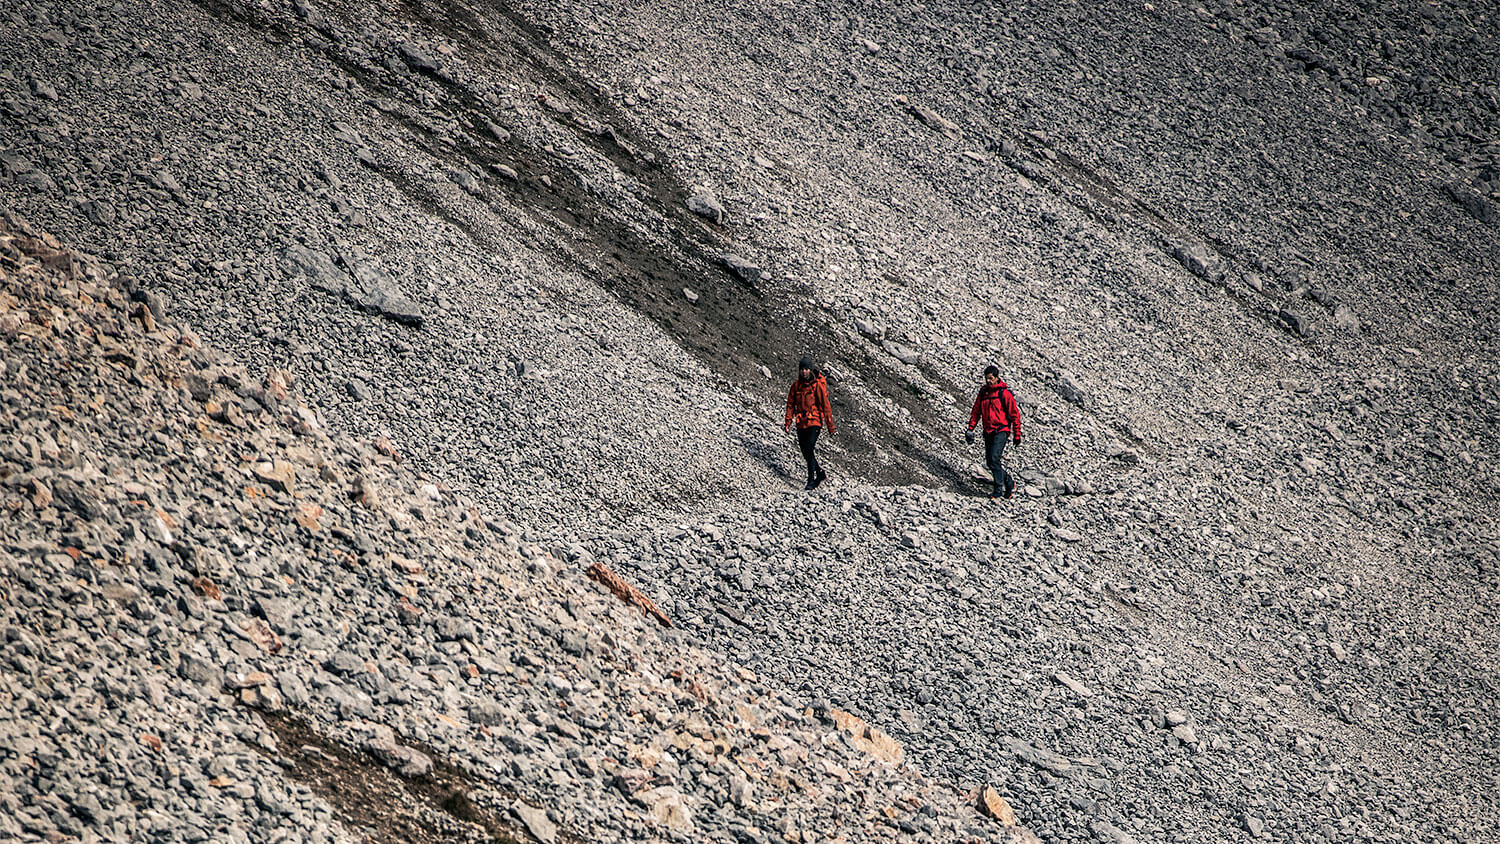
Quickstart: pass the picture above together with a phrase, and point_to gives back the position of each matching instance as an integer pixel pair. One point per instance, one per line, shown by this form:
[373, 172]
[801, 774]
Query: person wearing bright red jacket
[807, 407]
[996, 407]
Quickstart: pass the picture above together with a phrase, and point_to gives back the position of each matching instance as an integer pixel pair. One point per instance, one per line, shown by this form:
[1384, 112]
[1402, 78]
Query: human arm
[824, 408]
[1013, 413]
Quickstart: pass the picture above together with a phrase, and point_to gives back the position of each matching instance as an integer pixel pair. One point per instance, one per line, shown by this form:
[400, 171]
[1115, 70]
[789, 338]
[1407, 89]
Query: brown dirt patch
[386, 808]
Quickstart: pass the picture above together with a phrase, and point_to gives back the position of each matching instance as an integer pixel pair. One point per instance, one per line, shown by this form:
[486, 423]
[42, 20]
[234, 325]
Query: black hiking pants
[994, 447]
[807, 440]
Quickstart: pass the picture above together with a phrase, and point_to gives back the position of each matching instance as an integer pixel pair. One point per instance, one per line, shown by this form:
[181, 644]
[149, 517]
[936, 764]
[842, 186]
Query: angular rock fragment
[257, 631]
[668, 807]
[315, 266]
[464, 179]
[1294, 322]
[1040, 757]
[740, 268]
[70, 495]
[1066, 386]
[1199, 259]
[488, 713]
[868, 738]
[263, 697]
[306, 11]
[450, 629]
[496, 132]
[248, 679]
[627, 593]
[1475, 204]
[375, 291]
[1066, 535]
[122, 593]
[198, 386]
[279, 474]
[706, 206]
[537, 823]
[406, 761]
[43, 89]
[1253, 825]
[1076, 687]
[1112, 834]
[995, 806]
[935, 121]
[417, 58]
[202, 672]
[1312, 60]
[345, 663]
[901, 352]
[99, 212]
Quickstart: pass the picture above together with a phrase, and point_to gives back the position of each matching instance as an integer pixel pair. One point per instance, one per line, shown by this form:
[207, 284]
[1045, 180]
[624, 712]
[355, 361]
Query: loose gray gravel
[1235, 260]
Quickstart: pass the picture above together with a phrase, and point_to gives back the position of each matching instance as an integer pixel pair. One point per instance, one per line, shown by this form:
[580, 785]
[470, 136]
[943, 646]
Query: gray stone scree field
[1237, 260]
[223, 624]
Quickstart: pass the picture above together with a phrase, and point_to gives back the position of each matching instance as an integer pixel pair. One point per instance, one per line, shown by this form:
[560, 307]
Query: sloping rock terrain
[1236, 261]
[222, 624]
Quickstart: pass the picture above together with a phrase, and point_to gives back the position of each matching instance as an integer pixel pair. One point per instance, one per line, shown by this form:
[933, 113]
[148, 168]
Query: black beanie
[992, 370]
[807, 363]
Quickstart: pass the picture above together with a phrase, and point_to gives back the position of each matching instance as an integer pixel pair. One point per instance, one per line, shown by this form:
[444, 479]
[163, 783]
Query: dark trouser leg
[994, 447]
[807, 439]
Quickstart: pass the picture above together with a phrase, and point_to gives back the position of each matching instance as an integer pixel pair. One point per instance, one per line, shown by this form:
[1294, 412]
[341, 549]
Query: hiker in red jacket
[807, 406]
[996, 405]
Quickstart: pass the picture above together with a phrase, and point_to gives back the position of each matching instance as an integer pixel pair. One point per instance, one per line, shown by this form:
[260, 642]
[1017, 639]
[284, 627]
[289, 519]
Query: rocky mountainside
[1236, 261]
[223, 624]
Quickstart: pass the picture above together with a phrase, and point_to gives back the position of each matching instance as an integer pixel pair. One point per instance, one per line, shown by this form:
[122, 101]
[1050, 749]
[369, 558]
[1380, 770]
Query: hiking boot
[1010, 487]
[811, 482]
[822, 476]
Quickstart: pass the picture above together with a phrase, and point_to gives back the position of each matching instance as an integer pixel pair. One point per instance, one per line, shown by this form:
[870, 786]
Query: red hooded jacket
[996, 405]
[807, 404]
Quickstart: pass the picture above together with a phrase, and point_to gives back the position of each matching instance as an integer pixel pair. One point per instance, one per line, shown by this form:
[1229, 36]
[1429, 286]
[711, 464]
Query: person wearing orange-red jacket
[996, 406]
[807, 407]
